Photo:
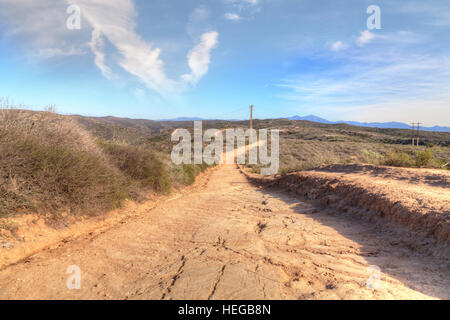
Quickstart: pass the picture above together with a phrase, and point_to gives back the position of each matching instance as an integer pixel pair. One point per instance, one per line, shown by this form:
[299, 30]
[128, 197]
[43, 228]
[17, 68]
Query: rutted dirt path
[228, 239]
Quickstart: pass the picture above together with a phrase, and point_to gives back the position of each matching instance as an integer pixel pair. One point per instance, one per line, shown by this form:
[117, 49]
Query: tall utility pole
[415, 133]
[418, 129]
[251, 117]
[412, 133]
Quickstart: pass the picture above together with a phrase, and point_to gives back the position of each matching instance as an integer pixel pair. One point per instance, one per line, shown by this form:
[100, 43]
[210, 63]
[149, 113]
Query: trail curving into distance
[228, 239]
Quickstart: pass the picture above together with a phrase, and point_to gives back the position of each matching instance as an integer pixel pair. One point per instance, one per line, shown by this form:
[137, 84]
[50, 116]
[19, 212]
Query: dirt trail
[228, 239]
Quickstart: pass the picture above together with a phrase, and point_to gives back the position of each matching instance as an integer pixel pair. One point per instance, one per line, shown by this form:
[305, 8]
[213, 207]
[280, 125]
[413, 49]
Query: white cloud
[116, 22]
[249, 7]
[41, 25]
[392, 39]
[232, 16]
[377, 84]
[44, 24]
[338, 45]
[48, 53]
[199, 57]
[368, 76]
[395, 38]
[241, 9]
[243, 2]
[365, 37]
[96, 46]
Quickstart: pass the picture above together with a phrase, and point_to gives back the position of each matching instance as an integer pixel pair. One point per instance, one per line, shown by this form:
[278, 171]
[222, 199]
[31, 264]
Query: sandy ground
[229, 239]
[414, 199]
[419, 189]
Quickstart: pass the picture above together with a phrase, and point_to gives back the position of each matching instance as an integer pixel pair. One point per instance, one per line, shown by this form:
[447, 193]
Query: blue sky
[162, 59]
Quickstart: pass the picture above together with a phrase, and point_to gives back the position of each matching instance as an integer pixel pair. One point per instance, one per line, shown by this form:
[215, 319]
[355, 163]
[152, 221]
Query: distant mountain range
[384, 125]
[313, 118]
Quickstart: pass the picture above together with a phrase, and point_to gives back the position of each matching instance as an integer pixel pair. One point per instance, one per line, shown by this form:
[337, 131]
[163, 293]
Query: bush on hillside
[423, 158]
[38, 174]
[397, 159]
[139, 164]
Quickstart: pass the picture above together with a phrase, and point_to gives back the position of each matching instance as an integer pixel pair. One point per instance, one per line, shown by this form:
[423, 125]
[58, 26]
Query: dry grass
[49, 163]
[305, 145]
[139, 164]
[52, 163]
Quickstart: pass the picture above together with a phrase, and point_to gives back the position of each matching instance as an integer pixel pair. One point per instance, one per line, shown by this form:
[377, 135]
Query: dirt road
[228, 239]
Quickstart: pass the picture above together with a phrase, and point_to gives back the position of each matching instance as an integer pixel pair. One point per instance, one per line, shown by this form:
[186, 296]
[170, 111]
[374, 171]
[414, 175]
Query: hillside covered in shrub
[51, 163]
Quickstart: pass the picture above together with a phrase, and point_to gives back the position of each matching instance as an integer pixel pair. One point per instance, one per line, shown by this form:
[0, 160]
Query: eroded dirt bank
[229, 239]
[417, 199]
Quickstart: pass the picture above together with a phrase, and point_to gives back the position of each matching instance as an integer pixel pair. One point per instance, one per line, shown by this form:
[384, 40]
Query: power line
[415, 133]
[412, 133]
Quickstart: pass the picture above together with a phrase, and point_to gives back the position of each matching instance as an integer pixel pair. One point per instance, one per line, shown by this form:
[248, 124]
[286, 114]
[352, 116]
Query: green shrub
[51, 163]
[139, 164]
[190, 171]
[423, 158]
[202, 167]
[188, 174]
[38, 175]
[397, 159]
[370, 156]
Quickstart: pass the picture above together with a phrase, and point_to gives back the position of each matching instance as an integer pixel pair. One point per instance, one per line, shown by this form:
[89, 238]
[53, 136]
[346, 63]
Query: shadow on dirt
[417, 262]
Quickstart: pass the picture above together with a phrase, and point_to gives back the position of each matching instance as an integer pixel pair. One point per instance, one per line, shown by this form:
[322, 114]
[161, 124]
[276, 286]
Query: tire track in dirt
[228, 239]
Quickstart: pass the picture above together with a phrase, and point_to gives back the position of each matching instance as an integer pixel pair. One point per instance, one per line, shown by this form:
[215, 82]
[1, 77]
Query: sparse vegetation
[397, 158]
[306, 145]
[52, 164]
[48, 163]
[191, 171]
[138, 164]
[423, 158]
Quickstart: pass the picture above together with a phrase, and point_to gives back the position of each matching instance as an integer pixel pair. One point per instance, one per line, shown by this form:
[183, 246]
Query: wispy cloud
[243, 2]
[338, 46]
[44, 22]
[368, 83]
[246, 8]
[48, 53]
[116, 22]
[364, 78]
[365, 37]
[232, 16]
[96, 46]
[200, 56]
[40, 24]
